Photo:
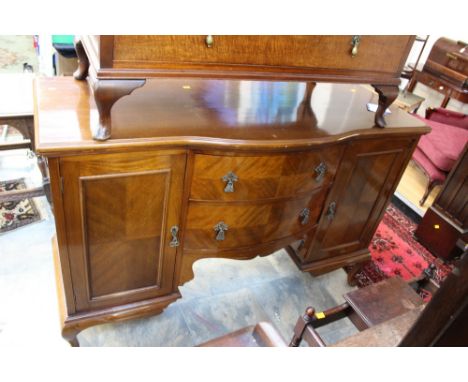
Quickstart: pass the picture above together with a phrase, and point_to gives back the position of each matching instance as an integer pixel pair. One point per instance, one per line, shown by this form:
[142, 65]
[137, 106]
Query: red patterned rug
[394, 252]
[19, 213]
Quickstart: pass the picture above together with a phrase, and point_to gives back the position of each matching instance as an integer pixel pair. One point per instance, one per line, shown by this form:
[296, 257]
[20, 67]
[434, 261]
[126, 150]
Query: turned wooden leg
[304, 110]
[42, 164]
[106, 93]
[355, 269]
[301, 325]
[387, 94]
[83, 63]
[429, 188]
[412, 83]
[445, 101]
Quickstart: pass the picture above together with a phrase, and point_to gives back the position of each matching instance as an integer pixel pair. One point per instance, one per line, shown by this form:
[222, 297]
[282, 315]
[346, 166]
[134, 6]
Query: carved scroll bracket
[387, 94]
[106, 94]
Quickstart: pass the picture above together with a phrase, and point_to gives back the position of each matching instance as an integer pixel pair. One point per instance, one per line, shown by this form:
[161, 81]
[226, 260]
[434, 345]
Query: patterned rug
[394, 252]
[19, 213]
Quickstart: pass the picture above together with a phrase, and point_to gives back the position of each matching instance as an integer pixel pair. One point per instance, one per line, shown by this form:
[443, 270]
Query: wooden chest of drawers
[209, 171]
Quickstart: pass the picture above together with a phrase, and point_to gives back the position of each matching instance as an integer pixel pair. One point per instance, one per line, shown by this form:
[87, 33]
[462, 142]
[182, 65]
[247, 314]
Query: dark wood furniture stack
[444, 227]
[215, 167]
[389, 313]
[445, 70]
[366, 308]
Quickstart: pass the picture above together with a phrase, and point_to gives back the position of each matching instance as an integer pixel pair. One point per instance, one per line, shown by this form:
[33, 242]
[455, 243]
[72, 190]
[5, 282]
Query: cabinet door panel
[366, 179]
[119, 225]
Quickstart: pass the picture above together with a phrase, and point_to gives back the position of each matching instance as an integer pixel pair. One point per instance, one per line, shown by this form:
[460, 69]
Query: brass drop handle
[304, 216]
[209, 41]
[355, 41]
[320, 170]
[220, 228]
[230, 178]
[174, 232]
[331, 211]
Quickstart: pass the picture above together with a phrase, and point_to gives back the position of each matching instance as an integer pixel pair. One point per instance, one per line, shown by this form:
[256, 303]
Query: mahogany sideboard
[117, 65]
[200, 168]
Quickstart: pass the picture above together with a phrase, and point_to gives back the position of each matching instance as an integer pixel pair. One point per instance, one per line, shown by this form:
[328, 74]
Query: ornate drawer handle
[320, 170]
[331, 211]
[304, 216]
[209, 41]
[220, 228]
[355, 41]
[174, 232]
[230, 178]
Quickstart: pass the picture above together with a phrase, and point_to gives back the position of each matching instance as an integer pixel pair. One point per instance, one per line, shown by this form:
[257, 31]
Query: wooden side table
[16, 110]
[409, 102]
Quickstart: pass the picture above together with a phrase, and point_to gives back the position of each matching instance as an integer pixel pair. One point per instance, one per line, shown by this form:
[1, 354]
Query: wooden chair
[16, 111]
[389, 313]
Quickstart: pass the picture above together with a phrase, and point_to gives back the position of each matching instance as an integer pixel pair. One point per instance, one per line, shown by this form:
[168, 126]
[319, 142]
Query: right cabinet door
[365, 181]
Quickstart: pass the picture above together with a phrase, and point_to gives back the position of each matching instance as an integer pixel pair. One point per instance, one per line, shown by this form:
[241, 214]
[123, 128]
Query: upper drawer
[262, 177]
[306, 52]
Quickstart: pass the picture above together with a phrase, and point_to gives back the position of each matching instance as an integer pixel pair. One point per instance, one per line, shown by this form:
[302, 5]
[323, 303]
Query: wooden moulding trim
[322, 266]
[271, 200]
[246, 73]
[194, 142]
[137, 309]
[185, 273]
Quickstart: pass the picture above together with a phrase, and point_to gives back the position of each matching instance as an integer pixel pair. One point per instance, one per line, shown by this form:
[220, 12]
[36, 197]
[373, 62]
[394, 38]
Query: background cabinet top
[364, 59]
[260, 115]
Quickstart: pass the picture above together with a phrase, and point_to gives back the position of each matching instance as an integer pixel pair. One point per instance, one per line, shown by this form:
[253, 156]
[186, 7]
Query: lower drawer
[217, 226]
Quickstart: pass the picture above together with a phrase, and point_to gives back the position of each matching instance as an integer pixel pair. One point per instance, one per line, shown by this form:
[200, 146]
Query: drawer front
[325, 52]
[434, 84]
[238, 178]
[249, 224]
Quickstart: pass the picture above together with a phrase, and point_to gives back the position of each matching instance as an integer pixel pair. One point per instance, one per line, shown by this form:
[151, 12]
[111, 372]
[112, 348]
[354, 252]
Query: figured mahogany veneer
[309, 173]
[117, 65]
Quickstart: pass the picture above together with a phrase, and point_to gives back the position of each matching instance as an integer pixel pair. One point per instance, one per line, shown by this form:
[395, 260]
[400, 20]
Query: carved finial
[310, 312]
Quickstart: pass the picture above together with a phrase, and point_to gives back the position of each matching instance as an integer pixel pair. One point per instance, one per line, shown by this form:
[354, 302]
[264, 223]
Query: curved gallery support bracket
[387, 94]
[83, 63]
[106, 94]
[304, 110]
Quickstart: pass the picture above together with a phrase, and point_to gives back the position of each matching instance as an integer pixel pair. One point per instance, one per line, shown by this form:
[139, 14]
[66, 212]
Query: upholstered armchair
[438, 151]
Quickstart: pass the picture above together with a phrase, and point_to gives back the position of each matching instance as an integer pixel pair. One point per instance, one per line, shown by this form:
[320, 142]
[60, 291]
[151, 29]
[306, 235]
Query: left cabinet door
[119, 211]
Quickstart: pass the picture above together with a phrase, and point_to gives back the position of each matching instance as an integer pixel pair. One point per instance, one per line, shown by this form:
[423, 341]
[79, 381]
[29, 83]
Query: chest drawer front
[249, 224]
[235, 178]
[324, 52]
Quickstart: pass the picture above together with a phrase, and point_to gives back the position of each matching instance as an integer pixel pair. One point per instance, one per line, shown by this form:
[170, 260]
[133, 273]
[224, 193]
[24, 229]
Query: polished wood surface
[115, 60]
[116, 202]
[210, 114]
